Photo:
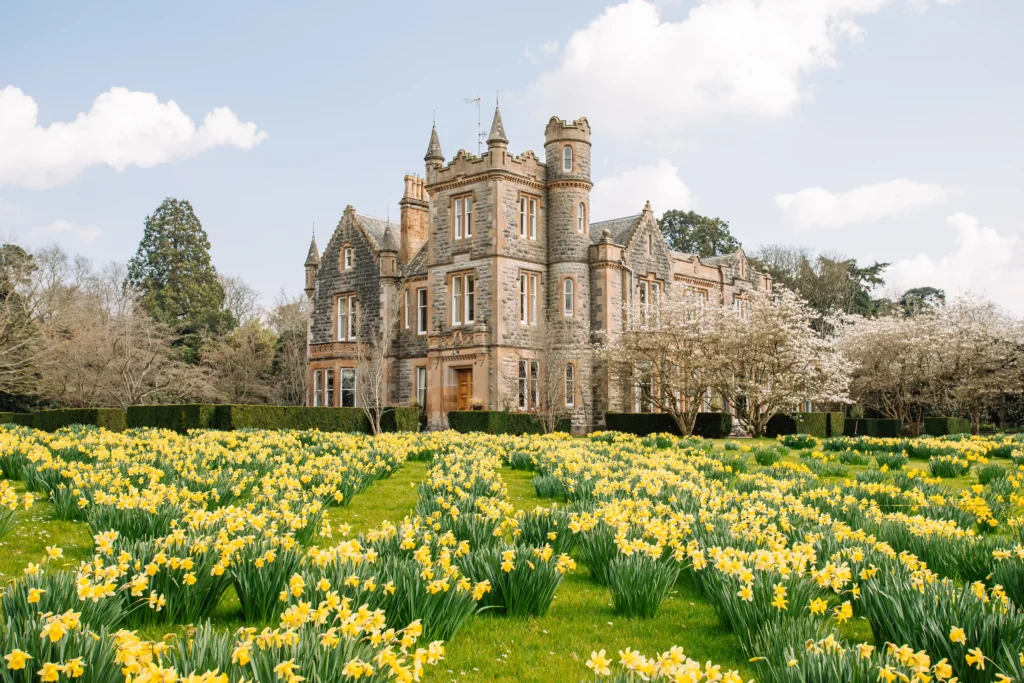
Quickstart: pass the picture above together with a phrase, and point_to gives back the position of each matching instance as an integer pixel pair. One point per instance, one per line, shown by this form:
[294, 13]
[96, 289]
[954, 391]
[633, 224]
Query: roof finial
[314, 229]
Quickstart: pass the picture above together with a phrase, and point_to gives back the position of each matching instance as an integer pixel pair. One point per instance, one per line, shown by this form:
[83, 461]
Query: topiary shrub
[113, 419]
[292, 417]
[500, 422]
[642, 424]
[884, 428]
[400, 419]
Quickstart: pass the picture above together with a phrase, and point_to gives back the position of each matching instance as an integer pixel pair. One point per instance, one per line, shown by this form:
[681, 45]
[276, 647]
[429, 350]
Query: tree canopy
[693, 233]
[174, 276]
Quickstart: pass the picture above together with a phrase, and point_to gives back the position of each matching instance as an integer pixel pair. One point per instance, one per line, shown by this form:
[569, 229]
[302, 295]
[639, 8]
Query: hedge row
[708, 425]
[873, 427]
[820, 425]
[205, 416]
[51, 420]
[23, 419]
[939, 426]
[500, 422]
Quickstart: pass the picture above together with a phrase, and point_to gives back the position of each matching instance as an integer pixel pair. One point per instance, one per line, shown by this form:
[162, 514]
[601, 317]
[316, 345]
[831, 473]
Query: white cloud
[625, 194]
[123, 128]
[637, 72]
[816, 207]
[982, 262]
[62, 231]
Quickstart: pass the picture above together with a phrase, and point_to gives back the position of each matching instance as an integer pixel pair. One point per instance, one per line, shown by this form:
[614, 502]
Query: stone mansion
[494, 256]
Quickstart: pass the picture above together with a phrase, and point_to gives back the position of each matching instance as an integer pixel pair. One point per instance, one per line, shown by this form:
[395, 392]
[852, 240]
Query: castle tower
[567, 150]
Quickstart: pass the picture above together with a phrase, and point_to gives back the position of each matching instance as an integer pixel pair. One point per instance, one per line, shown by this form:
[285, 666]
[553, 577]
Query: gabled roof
[620, 229]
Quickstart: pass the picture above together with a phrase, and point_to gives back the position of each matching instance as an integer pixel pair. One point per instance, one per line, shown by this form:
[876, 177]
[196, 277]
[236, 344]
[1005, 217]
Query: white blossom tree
[675, 357]
[774, 360]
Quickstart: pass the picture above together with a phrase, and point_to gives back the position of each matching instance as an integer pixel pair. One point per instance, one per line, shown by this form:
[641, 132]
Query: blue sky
[881, 129]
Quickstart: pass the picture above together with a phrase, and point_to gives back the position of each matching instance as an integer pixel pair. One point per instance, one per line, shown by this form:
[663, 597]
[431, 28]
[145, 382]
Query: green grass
[37, 528]
[386, 499]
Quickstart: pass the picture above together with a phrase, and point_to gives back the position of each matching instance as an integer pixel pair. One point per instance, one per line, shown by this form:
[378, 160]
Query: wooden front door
[464, 380]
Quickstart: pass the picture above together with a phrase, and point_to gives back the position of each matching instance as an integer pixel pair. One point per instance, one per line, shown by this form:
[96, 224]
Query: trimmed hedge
[641, 424]
[500, 422]
[23, 419]
[713, 425]
[179, 418]
[940, 426]
[884, 428]
[780, 424]
[404, 418]
[836, 423]
[708, 425]
[113, 419]
[400, 419]
[815, 424]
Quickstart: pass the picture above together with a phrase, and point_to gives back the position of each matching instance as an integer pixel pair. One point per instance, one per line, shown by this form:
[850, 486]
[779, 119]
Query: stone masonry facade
[499, 282]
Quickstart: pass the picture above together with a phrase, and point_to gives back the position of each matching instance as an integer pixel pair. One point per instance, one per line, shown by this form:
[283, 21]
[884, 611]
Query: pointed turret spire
[497, 138]
[434, 152]
[313, 257]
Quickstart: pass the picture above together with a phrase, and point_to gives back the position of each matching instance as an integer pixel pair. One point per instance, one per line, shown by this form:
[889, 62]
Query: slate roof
[374, 228]
[417, 265]
[620, 229]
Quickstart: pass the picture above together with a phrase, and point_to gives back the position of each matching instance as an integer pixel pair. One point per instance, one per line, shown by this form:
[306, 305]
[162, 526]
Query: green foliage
[707, 425]
[639, 583]
[948, 466]
[940, 426]
[693, 233]
[174, 276]
[292, 417]
[921, 300]
[990, 472]
[23, 419]
[499, 422]
[836, 423]
[815, 424]
[894, 461]
[113, 419]
[872, 427]
[798, 441]
[780, 424]
[766, 456]
[179, 418]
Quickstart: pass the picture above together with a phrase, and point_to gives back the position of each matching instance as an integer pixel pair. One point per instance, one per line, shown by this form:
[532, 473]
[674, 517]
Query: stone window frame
[569, 384]
[422, 310]
[652, 290]
[348, 256]
[405, 303]
[462, 231]
[529, 223]
[421, 387]
[529, 304]
[570, 311]
[567, 158]
[528, 384]
[351, 333]
[353, 391]
[467, 297]
[582, 224]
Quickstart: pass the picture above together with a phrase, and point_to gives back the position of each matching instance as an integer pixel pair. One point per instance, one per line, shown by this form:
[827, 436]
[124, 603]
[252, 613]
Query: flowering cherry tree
[774, 360]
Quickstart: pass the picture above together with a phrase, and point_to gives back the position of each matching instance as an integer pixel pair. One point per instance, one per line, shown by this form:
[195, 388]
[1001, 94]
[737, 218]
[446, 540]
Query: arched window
[567, 159]
[570, 385]
[581, 218]
[570, 298]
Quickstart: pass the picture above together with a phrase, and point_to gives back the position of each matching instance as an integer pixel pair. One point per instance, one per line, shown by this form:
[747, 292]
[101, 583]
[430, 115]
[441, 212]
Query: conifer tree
[174, 277]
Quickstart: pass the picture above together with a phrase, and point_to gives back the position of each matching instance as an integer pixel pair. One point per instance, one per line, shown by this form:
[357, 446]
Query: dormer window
[348, 258]
[567, 159]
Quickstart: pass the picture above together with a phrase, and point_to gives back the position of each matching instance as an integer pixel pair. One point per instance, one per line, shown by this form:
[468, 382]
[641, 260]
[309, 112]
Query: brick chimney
[415, 218]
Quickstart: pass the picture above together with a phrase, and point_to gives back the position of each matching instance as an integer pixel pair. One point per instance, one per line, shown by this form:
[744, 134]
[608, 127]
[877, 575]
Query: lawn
[486, 648]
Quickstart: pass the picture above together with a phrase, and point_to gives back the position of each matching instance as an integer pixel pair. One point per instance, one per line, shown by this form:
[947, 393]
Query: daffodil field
[233, 556]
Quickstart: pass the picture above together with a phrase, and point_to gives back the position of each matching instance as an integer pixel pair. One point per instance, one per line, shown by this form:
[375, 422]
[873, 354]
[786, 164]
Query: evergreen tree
[174, 277]
[692, 233]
